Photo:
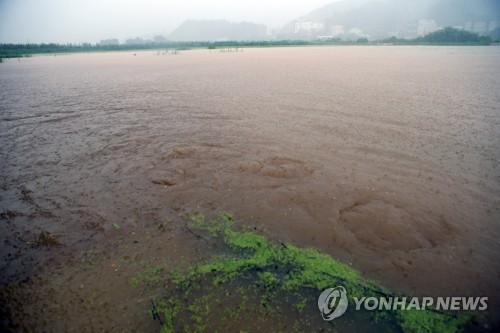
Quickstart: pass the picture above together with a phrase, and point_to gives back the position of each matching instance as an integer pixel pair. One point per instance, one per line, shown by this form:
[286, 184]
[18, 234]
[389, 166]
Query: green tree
[452, 35]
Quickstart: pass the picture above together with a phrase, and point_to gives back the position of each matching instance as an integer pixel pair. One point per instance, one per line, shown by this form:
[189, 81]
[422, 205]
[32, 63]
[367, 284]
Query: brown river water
[386, 158]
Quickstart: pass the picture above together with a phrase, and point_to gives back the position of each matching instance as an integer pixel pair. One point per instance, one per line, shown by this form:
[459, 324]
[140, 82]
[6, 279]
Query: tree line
[446, 36]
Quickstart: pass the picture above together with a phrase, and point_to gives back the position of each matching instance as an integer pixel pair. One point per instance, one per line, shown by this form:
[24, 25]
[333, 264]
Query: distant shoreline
[28, 50]
[445, 37]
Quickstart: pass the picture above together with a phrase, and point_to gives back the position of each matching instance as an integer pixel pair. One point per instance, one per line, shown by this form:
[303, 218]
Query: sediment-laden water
[386, 158]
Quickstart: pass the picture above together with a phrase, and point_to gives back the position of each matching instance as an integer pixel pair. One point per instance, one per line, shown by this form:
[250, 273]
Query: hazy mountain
[213, 30]
[455, 12]
[382, 18]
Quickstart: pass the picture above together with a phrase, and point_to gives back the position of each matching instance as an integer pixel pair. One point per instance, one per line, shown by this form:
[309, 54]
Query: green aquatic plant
[149, 276]
[257, 278]
[430, 321]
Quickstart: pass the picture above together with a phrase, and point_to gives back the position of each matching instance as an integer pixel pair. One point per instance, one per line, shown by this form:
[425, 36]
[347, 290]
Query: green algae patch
[429, 321]
[255, 284]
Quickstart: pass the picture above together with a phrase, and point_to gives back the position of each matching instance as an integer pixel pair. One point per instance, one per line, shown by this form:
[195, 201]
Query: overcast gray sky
[76, 21]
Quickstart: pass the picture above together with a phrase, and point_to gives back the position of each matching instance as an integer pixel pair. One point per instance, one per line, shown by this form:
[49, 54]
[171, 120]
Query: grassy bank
[256, 284]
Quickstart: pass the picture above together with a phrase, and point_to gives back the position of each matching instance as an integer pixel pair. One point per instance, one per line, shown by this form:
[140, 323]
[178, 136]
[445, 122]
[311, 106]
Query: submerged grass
[259, 284]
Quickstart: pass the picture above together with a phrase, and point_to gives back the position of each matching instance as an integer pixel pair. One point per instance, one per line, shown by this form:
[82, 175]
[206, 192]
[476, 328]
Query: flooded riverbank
[386, 158]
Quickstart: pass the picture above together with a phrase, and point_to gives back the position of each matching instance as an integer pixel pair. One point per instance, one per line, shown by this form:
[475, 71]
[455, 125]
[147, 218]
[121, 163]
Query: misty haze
[200, 167]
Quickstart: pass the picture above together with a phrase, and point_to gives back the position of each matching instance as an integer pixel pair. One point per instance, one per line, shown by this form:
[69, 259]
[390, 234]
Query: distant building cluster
[305, 29]
[481, 27]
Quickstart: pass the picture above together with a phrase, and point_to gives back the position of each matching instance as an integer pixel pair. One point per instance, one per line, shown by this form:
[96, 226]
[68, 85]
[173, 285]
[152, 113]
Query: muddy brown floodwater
[387, 158]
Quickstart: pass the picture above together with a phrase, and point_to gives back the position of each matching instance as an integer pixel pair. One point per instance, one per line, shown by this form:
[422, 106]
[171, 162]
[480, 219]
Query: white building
[307, 26]
[481, 27]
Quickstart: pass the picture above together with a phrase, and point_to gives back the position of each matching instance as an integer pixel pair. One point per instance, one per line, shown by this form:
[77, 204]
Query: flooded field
[386, 158]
